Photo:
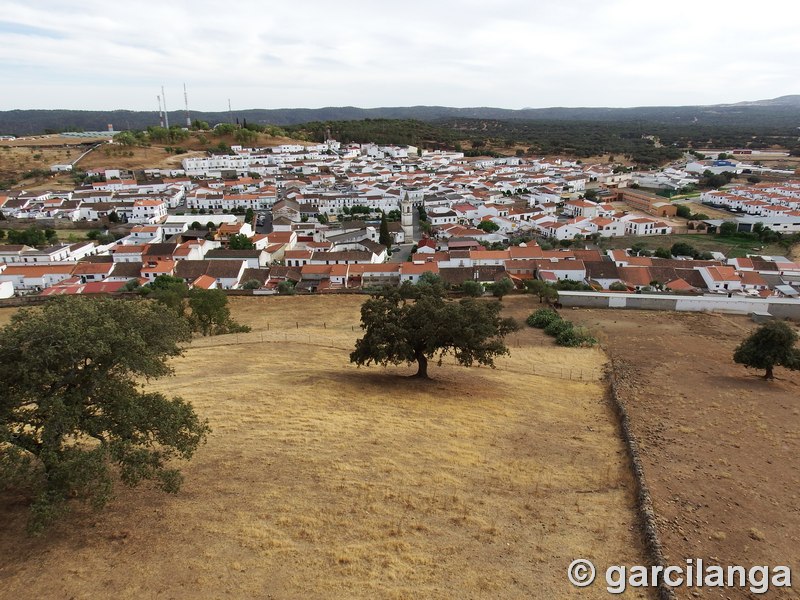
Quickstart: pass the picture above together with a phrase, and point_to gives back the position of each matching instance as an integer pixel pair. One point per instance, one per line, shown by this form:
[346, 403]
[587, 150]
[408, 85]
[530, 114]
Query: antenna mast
[230, 112]
[166, 114]
[186, 102]
[160, 113]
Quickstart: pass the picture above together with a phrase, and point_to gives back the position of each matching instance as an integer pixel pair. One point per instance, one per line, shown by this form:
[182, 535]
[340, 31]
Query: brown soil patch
[720, 446]
[323, 480]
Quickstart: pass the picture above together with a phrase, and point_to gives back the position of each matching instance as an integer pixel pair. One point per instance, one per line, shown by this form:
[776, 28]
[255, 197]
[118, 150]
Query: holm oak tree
[416, 323]
[769, 346]
[74, 411]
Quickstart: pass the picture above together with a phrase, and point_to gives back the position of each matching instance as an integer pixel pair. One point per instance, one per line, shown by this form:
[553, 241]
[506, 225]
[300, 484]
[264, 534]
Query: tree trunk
[768, 375]
[422, 361]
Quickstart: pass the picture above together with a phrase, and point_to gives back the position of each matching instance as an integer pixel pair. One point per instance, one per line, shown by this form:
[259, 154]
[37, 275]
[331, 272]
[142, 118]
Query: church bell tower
[407, 218]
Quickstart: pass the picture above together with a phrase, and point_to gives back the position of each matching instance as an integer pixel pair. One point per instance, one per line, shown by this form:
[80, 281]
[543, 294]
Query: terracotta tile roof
[315, 269]
[523, 252]
[679, 285]
[635, 276]
[37, 270]
[722, 274]
[204, 282]
[159, 266]
[87, 268]
[752, 278]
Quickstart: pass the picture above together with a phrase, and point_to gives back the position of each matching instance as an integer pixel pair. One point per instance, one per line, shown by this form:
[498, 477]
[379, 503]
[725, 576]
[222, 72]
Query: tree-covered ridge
[643, 143]
[778, 112]
[380, 131]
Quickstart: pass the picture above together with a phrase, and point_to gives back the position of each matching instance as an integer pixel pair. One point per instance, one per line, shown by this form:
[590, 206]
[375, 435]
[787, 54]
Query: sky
[100, 55]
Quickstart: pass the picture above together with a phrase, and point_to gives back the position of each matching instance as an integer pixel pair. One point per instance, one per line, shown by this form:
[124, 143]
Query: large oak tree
[769, 346]
[416, 323]
[75, 412]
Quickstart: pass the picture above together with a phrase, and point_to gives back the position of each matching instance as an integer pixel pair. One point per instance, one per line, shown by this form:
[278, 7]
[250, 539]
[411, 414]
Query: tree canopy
[544, 290]
[74, 408]
[415, 323]
[503, 287]
[769, 346]
[32, 236]
[210, 313]
[384, 237]
[239, 241]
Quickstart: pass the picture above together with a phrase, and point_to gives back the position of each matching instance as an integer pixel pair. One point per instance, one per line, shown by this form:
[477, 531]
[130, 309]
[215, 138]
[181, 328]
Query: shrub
[574, 337]
[542, 318]
[557, 326]
[473, 289]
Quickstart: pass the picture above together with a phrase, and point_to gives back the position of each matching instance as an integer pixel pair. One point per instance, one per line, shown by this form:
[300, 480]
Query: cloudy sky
[96, 54]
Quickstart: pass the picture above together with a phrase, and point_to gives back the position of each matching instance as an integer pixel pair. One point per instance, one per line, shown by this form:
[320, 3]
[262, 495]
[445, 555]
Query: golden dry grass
[323, 480]
[19, 159]
[115, 156]
[20, 156]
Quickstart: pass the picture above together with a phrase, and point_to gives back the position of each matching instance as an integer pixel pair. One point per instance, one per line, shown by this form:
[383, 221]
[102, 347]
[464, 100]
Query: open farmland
[323, 480]
[720, 446]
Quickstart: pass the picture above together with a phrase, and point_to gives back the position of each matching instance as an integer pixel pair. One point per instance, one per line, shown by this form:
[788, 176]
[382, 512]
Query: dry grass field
[22, 155]
[323, 480]
[115, 156]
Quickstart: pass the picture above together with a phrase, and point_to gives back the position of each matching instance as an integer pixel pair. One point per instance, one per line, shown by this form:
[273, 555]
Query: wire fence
[342, 338]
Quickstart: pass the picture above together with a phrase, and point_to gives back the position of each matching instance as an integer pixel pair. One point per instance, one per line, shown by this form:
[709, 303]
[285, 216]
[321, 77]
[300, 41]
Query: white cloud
[511, 53]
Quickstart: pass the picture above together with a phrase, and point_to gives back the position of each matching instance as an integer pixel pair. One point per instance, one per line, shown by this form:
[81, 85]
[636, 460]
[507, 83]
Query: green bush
[542, 318]
[557, 326]
[575, 337]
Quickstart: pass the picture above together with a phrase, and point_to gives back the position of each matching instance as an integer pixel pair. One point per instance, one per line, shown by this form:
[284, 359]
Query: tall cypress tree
[384, 237]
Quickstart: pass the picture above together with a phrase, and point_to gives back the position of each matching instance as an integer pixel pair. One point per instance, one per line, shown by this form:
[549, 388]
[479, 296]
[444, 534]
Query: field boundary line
[644, 500]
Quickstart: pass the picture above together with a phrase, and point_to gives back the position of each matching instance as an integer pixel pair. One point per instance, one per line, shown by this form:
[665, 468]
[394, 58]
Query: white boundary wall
[778, 307]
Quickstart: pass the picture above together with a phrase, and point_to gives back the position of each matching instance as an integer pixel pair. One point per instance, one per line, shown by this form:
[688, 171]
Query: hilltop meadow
[323, 480]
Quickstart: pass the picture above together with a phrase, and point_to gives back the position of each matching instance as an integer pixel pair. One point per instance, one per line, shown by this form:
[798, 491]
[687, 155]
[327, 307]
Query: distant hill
[776, 112]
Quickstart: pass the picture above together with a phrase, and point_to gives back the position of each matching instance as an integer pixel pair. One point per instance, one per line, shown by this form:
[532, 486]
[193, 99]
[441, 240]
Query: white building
[148, 212]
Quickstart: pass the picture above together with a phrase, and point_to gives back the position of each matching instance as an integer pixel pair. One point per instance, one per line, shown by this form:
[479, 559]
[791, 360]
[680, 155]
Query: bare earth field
[115, 156]
[323, 480]
[720, 446]
[25, 154]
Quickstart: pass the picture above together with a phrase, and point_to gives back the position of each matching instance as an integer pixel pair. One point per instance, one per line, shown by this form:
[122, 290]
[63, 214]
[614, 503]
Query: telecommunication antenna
[230, 112]
[186, 102]
[160, 113]
[166, 114]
